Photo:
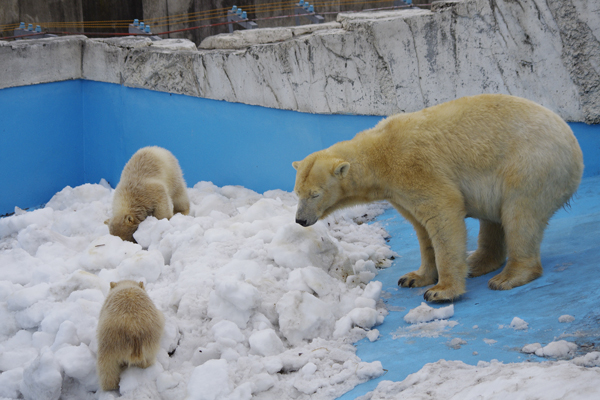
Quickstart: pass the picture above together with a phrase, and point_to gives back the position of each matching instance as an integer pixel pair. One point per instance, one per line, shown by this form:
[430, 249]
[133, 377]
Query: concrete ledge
[245, 38]
[29, 62]
[375, 63]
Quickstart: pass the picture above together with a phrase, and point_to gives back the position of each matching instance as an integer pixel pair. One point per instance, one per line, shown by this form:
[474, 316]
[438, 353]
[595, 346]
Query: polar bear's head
[319, 186]
[123, 226]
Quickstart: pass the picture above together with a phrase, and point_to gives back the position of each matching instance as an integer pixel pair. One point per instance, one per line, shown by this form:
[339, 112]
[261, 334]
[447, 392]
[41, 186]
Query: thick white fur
[129, 332]
[151, 184]
[505, 160]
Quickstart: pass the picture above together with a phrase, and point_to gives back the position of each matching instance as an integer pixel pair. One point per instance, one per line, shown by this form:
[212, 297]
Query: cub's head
[319, 186]
[126, 284]
[123, 226]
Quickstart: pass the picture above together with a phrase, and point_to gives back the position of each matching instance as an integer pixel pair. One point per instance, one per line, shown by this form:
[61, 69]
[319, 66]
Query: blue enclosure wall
[41, 142]
[74, 132]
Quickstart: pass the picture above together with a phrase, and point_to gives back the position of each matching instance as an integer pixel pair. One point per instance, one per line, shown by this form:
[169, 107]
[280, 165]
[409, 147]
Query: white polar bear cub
[151, 184]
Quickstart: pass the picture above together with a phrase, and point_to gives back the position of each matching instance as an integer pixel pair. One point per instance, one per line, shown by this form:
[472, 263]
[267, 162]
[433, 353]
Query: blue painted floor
[570, 285]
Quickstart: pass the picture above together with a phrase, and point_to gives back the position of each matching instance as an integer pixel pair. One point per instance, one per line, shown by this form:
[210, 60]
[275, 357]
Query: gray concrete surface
[365, 63]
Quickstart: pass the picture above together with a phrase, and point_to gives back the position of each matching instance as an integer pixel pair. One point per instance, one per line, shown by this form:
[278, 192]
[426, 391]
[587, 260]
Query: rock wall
[364, 63]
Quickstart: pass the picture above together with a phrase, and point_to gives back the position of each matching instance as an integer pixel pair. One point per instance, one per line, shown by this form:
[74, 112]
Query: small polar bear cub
[504, 160]
[129, 331]
[151, 184]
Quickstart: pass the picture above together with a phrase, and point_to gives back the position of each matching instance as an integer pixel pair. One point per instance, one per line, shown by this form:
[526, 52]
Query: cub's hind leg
[109, 371]
[181, 202]
[491, 249]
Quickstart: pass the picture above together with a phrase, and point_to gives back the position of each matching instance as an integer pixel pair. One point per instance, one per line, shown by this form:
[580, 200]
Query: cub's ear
[141, 284]
[107, 221]
[113, 284]
[296, 164]
[341, 170]
[129, 219]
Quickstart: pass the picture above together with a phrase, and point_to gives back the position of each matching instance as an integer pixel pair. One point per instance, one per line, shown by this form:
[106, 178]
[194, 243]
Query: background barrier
[75, 132]
[79, 131]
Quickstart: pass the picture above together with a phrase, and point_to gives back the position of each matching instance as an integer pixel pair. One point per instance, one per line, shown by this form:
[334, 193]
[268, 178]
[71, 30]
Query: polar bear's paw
[515, 274]
[412, 279]
[481, 263]
[443, 292]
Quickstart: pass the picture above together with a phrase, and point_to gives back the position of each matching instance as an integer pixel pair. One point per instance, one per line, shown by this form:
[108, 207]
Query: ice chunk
[425, 313]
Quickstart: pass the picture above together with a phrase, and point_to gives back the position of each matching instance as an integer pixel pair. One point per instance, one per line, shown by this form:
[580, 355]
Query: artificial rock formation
[365, 63]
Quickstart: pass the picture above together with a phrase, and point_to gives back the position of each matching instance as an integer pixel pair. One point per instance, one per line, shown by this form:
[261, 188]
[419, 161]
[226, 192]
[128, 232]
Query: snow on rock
[445, 380]
[252, 301]
[558, 349]
[425, 313]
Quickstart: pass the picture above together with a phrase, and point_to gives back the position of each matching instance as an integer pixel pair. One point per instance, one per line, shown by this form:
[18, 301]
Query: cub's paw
[412, 279]
[441, 293]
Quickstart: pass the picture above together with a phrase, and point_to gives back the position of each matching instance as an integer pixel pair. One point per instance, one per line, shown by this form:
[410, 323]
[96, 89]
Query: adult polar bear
[505, 160]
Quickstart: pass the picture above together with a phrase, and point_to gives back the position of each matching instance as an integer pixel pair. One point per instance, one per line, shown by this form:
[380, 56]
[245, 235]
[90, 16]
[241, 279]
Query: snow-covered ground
[256, 306]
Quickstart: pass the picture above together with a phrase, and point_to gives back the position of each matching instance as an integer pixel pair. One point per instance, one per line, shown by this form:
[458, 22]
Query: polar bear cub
[151, 184]
[129, 332]
[505, 160]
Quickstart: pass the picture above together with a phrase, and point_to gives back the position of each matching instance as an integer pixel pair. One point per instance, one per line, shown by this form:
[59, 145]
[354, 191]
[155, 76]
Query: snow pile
[425, 313]
[456, 343]
[426, 321]
[493, 381]
[566, 318]
[255, 305]
[518, 324]
[557, 349]
[589, 360]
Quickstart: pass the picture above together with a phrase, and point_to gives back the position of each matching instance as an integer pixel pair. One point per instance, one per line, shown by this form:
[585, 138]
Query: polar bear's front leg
[427, 273]
[444, 219]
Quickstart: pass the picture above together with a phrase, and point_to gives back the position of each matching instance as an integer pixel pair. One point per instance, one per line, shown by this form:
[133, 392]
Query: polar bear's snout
[302, 222]
[305, 216]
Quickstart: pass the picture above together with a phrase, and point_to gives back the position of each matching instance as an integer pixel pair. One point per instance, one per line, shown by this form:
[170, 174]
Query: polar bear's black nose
[302, 222]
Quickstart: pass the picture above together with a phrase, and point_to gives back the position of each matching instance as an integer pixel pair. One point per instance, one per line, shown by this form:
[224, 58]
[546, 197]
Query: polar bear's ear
[107, 221]
[141, 284]
[113, 284]
[341, 170]
[296, 164]
[129, 219]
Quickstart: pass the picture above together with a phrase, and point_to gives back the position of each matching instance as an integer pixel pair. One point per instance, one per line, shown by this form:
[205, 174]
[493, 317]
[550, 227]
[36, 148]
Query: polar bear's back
[151, 162]
[483, 132]
[500, 145]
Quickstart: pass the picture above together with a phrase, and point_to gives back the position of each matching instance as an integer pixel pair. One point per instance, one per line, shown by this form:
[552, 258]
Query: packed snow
[256, 306]
[518, 324]
[426, 313]
[493, 381]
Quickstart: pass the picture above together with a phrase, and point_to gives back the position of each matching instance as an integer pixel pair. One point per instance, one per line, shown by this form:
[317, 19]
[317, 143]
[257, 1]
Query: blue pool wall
[73, 132]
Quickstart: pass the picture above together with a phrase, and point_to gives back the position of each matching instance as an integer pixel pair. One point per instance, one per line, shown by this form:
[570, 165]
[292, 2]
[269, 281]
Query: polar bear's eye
[315, 195]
